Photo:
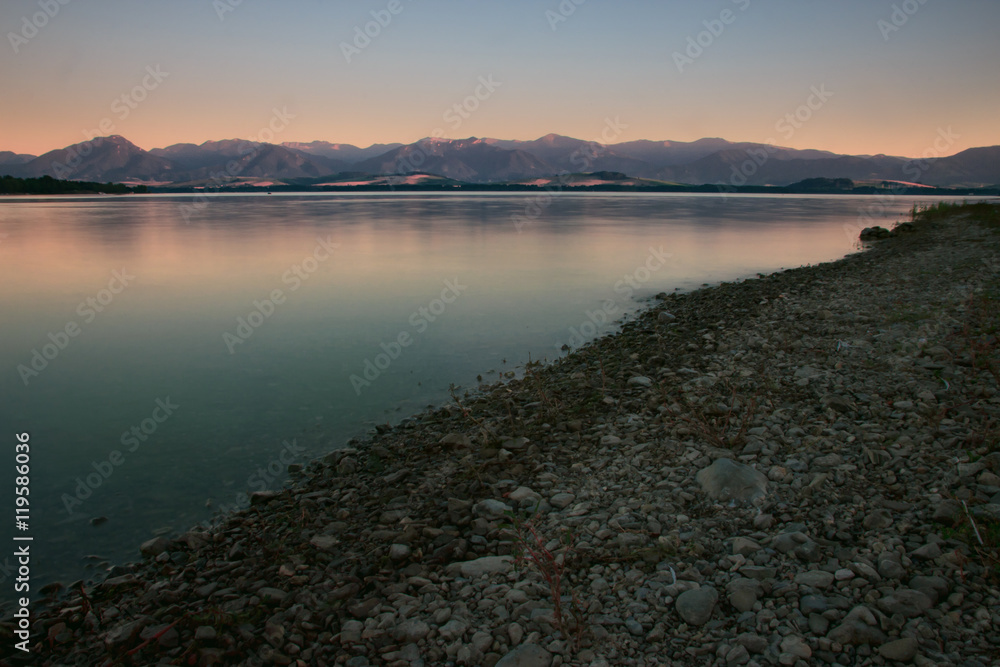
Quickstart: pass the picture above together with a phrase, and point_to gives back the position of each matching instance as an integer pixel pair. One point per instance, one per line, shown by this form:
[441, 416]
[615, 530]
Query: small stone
[818, 624]
[828, 461]
[324, 542]
[796, 646]
[261, 497]
[906, 601]
[411, 630]
[901, 650]
[738, 655]
[457, 441]
[840, 404]
[743, 593]
[399, 552]
[798, 544]
[877, 520]
[815, 578]
[154, 547]
[890, 567]
[809, 604]
[492, 509]
[452, 630]
[516, 444]
[526, 655]
[364, 608]
[348, 590]
[753, 642]
[350, 632]
[743, 546]
[204, 633]
[728, 480]
[472, 569]
[272, 595]
[640, 381]
[562, 500]
[695, 606]
[665, 317]
[523, 493]
[927, 552]
[859, 627]
[516, 633]
[933, 587]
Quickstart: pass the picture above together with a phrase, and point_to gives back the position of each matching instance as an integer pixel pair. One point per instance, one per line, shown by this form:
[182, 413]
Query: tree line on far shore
[46, 185]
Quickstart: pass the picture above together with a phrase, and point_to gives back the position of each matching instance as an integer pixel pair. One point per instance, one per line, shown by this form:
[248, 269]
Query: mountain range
[237, 162]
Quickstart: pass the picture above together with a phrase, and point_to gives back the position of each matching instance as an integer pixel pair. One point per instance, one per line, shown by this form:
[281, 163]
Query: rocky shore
[801, 469]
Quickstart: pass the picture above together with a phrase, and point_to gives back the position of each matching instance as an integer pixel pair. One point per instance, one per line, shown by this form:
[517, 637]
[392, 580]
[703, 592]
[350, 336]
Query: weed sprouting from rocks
[531, 552]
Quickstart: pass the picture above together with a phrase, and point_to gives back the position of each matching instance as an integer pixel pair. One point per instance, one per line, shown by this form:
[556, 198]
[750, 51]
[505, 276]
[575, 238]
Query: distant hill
[113, 158]
[712, 161]
[975, 167]
[6, 158]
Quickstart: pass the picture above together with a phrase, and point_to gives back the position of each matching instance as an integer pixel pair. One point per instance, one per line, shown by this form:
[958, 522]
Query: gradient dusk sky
[892, 74]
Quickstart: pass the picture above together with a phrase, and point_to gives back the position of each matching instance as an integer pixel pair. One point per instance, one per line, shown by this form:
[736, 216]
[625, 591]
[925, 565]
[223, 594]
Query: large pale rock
[901, 650]
[726, 479]
[154, 547]
[859, 627]
[695, 606]
[472, 569]
[905, 601]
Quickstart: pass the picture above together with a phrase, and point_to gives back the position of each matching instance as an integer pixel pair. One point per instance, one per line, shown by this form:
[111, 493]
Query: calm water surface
[166, 367]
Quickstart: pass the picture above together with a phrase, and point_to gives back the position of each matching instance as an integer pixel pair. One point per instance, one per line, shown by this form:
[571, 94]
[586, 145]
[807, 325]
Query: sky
[900, 77]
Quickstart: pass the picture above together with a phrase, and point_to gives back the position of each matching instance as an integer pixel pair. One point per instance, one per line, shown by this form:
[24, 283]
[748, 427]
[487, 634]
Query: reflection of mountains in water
[472, 160]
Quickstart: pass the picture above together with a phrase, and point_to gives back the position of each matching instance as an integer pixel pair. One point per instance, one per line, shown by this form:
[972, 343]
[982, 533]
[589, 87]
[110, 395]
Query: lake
[170, 355]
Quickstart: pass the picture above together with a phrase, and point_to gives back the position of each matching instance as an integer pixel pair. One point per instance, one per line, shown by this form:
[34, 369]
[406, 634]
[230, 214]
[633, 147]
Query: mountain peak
[552, 138]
